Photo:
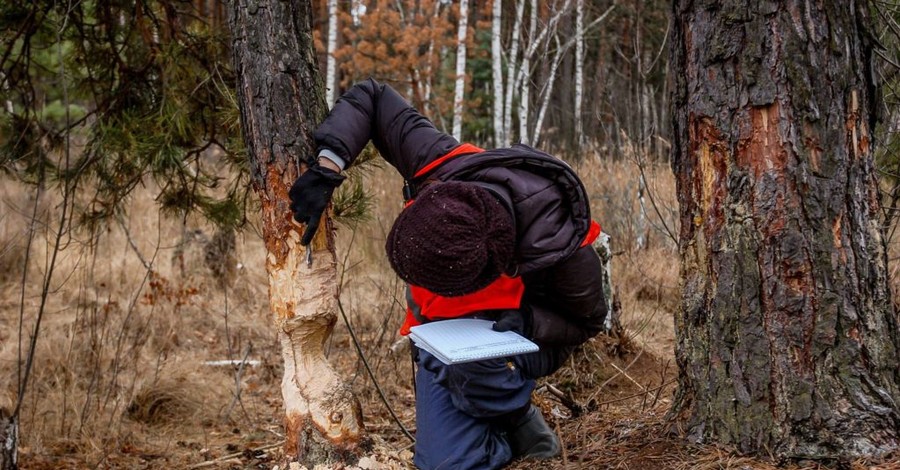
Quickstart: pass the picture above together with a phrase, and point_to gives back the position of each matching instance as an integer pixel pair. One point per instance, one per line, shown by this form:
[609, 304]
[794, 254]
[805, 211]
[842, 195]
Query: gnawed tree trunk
[787, 341]
[282, 100]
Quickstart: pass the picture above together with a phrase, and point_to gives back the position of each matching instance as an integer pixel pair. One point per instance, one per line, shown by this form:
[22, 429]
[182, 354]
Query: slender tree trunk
[460, 90]
[282, 100]
[497, 69]
[511, 68]
[331, 64]
[579, 72]
[523, 81]
[548, 91]
[787, 342]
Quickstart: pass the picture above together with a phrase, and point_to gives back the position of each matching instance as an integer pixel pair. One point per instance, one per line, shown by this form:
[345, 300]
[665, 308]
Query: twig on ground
[237, 381]
[211, 463]
[628, 377]
[604, 384]
[629, 397]
[573, 406]
[365, 362]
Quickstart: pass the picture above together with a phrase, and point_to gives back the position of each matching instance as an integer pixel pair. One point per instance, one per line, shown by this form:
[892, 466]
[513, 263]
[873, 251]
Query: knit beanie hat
[454, 239]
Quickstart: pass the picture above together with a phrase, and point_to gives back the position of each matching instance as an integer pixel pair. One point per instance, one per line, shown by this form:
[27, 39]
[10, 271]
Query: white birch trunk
[426, 87]
[603, 248]
[548, 92]
[497, 59]
[524, 83]
[331, 63]
[579, 71]
[460, 90]
[511, 69]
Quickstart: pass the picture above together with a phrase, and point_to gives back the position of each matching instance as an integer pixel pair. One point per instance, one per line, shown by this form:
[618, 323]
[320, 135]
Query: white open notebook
[468, 339]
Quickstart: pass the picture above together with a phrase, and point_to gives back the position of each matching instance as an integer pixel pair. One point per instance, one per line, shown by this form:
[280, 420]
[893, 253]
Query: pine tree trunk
[281, 98]
[787, 342]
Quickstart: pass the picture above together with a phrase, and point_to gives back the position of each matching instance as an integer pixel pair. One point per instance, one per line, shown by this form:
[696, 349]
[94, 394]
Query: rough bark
[9, 437]
[281, 98]
[787, 341]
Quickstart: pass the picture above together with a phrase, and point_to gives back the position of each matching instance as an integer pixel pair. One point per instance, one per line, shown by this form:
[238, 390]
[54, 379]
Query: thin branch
[224, 458]
[237, 380]
[365, 361]
[63, 217]
[662, 220]
[637, 395]
[131, 243]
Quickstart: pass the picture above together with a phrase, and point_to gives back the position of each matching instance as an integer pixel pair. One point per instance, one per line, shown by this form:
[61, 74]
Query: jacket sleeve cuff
[326, 153]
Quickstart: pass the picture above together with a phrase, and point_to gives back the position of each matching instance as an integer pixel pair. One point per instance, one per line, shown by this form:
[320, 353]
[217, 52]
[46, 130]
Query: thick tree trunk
[282, 100]
[787, 341]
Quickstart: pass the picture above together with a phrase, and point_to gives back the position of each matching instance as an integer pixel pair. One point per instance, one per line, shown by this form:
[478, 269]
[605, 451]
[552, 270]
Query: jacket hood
[549, 201]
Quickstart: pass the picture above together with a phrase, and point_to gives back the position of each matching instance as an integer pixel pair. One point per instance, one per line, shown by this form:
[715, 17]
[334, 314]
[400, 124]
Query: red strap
[504, 293]
[460, 149]
[592, 234]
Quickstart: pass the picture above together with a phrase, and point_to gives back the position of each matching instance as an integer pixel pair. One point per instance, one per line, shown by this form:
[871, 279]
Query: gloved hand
[310, 195]
[514, 320]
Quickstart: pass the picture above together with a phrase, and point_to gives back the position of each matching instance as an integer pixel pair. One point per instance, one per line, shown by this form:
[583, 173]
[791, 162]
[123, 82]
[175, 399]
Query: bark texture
[9, 438]
[787, 341]
[281, 97]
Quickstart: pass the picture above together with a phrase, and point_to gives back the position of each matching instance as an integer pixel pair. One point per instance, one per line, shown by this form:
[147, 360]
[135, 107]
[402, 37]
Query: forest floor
[126, 375]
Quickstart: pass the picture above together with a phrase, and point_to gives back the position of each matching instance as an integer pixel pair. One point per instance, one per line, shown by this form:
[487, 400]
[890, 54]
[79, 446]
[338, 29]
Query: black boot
[531, 437]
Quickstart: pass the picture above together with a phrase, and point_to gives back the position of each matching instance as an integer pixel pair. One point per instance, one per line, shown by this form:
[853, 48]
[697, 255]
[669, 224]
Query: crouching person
[501, 234]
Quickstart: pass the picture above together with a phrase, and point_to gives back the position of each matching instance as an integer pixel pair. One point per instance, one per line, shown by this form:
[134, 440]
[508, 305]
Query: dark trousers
[458, 406]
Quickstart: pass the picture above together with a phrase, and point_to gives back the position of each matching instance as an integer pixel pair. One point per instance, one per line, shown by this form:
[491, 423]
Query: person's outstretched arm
[375, 111]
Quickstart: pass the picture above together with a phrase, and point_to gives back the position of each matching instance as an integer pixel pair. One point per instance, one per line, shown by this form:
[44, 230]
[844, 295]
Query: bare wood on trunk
[787, 340]
[281, 98]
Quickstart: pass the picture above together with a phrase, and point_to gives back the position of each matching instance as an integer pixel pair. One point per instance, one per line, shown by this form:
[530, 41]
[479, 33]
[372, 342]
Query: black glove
[514, 320]
[310, 195]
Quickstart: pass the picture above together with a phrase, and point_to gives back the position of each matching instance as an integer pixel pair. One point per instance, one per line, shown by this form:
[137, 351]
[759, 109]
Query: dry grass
[120, 379]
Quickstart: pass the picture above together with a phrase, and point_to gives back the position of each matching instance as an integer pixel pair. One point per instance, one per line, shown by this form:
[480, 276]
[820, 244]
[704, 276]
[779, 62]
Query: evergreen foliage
[137, 89]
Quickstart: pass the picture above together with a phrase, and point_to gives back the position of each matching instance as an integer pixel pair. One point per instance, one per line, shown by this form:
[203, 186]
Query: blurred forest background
[134, 326]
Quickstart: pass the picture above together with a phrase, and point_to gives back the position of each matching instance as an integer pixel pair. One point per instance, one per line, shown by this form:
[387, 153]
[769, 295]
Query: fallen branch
[636, 395]
[573, 406]
[210, 463]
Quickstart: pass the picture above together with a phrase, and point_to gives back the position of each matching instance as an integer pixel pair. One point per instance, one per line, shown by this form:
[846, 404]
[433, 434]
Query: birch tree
[497, 72]
[524, 84]
[331, 61]
[579, 70]
[460, 88]
[281, 99]
[787, 339]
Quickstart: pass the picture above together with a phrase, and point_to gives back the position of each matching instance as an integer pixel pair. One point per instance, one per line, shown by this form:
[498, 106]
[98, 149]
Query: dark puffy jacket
[549, 203]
